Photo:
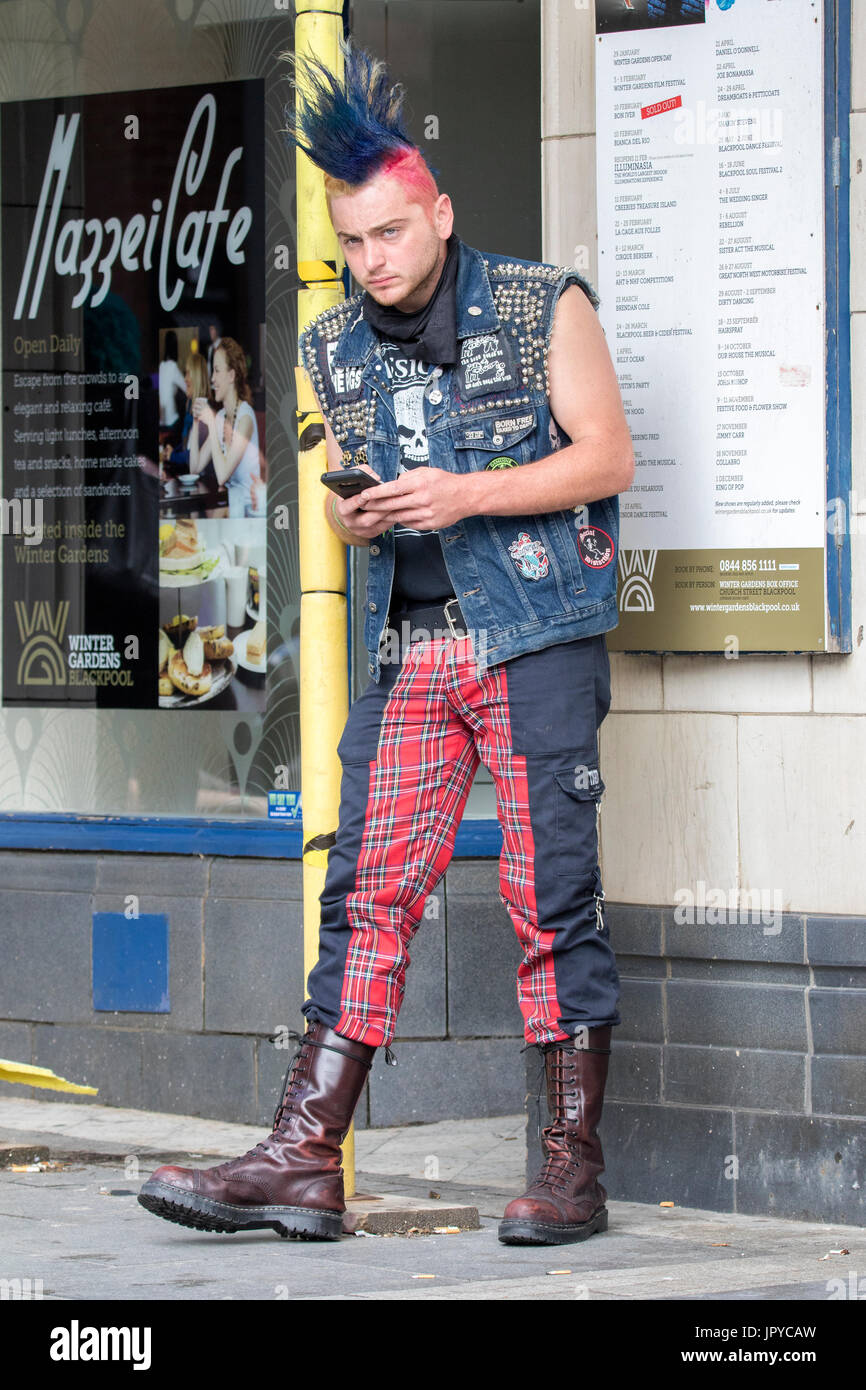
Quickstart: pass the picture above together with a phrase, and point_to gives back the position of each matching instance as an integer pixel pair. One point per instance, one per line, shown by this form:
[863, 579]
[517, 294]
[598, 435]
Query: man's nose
[373, 256]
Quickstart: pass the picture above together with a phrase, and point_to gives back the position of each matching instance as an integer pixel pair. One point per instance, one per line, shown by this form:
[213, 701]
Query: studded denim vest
[523, 582]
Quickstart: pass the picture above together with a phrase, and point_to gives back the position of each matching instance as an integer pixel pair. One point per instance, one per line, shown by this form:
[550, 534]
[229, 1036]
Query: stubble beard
[422, 290]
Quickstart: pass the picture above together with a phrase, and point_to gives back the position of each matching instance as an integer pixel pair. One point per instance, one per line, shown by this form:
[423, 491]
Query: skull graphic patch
[412, 432]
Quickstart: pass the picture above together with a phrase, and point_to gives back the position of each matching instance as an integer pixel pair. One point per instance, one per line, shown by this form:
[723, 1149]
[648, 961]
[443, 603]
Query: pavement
[73, 1227]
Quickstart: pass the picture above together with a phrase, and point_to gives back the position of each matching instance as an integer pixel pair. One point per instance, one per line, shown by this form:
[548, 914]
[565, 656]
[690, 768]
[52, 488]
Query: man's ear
[443, 216]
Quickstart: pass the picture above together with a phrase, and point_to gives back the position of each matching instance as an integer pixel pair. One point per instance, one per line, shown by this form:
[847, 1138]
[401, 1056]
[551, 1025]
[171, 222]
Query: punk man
[478, 393]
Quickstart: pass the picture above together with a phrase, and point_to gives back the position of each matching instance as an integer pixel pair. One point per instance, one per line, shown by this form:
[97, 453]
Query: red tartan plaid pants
[409, 752]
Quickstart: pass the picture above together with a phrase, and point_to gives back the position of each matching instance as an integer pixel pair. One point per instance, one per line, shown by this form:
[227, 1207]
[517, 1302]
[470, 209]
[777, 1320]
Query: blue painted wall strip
[161, 835]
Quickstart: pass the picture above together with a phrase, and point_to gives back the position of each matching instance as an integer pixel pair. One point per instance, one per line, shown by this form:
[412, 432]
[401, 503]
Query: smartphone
[349, 481]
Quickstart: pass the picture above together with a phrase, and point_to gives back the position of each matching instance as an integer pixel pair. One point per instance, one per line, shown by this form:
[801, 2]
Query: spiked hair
[353, 128]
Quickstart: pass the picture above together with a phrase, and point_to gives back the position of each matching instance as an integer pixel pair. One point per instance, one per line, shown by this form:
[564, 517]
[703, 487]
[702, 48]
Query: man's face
[394, 248]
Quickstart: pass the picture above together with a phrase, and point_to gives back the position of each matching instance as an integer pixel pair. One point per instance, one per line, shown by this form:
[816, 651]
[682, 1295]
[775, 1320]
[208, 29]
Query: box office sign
[132, 248]
[711, 277]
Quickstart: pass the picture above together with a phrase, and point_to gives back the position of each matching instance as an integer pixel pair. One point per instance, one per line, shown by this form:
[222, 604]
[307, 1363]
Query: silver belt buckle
[449, 620]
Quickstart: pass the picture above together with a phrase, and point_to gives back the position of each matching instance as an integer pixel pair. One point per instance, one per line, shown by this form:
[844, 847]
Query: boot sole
[520, 1232]
[205, 1214]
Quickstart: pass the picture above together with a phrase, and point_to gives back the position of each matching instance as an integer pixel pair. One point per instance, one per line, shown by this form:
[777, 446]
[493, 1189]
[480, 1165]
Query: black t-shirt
[420, 575]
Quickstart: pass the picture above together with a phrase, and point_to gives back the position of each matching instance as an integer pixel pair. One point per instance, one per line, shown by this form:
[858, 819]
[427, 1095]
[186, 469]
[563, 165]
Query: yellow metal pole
[324, 668]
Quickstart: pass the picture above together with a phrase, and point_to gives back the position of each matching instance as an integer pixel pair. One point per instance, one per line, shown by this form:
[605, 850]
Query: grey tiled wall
[236, 976]
[737, 1079]
[738, 1076]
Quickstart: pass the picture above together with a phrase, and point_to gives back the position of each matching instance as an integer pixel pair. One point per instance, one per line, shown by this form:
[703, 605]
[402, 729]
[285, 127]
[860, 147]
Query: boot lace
[559, 1168]
[561, 1143]
[562, 1161]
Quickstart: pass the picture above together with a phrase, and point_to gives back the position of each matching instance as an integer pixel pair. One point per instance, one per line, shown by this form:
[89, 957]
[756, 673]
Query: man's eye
[390, 231]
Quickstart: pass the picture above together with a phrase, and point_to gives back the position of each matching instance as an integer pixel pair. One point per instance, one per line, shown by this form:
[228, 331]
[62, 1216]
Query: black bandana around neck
[430, 333]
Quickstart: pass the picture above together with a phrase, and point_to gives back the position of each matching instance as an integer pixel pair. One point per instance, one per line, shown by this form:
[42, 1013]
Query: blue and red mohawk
[352, 128]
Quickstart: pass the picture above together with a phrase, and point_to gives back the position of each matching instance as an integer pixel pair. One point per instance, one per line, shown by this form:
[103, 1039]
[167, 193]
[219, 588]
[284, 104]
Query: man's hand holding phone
[346, 484]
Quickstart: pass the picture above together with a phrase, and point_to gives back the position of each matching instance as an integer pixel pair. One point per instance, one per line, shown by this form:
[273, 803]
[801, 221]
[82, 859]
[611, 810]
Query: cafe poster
[134, 457]
[711, 279]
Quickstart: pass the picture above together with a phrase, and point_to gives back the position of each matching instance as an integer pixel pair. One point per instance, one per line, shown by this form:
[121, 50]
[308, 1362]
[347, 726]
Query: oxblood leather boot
[566, 1202]
[292, 1181]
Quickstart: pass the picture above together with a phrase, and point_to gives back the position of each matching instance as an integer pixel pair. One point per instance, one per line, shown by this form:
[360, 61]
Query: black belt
[446, 617]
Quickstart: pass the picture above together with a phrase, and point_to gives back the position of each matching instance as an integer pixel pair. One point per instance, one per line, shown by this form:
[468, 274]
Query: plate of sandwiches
[199, 669]
[184, 559]
[251, 649]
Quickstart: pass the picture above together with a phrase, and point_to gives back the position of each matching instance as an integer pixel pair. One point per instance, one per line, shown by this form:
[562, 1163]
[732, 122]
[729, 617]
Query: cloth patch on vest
[345, 380]
[520, 422]
[595, 547]
[502, 462]
[529, 556]
[484, 365]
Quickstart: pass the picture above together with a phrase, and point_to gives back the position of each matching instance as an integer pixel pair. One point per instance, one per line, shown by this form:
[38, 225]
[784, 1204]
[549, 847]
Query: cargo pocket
[578, 791]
